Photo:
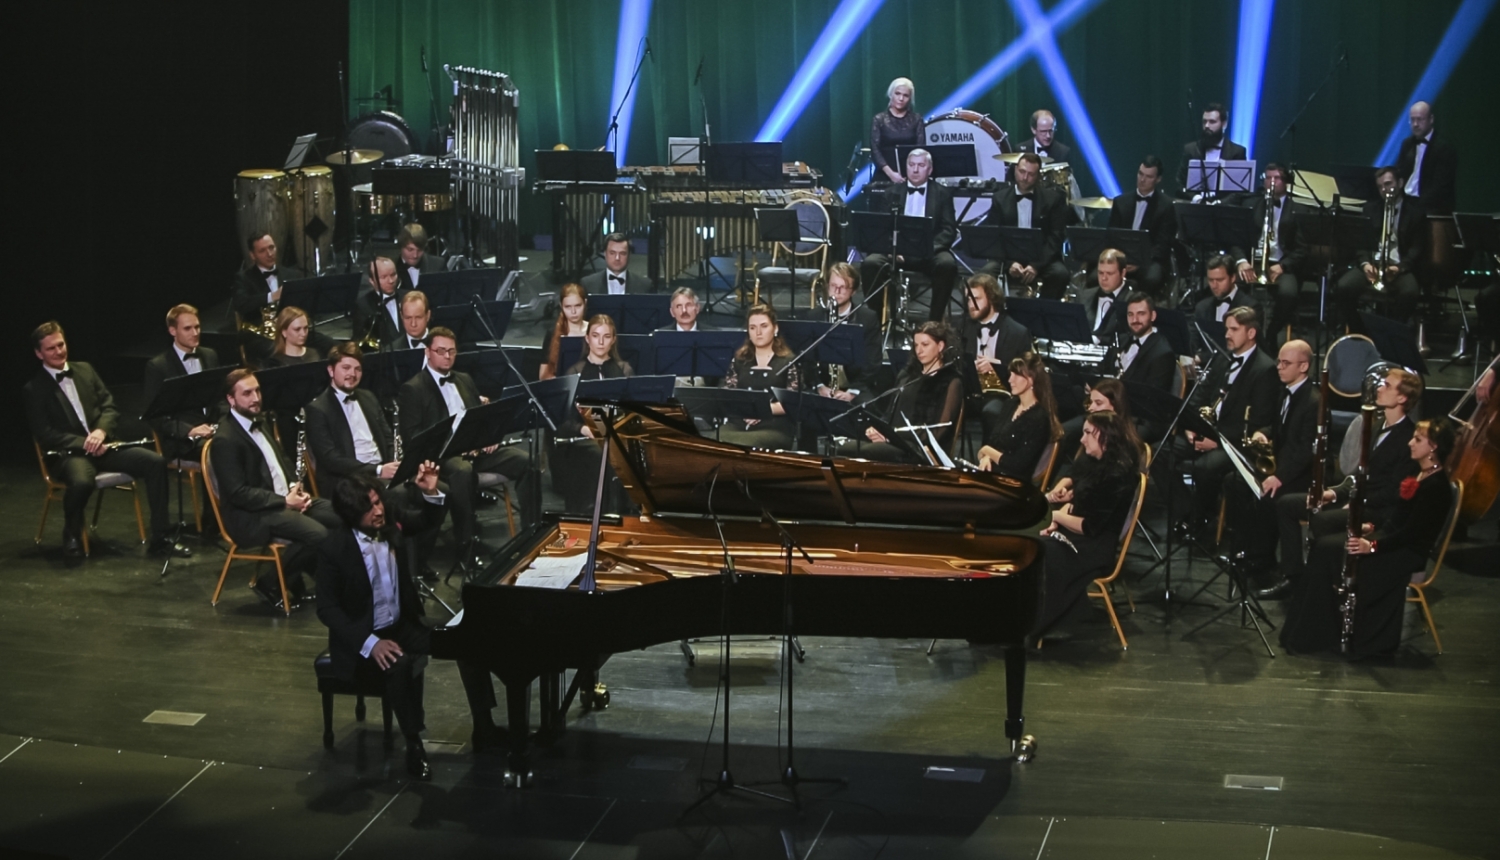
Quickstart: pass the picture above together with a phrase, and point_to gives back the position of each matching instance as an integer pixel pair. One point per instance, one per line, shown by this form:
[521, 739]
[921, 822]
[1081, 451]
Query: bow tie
[261, 424]
[416, 342]
[65, 374]
[384, 299]
[1223, 300]
[1139, 342]
[1236, 363]
[266, 274]
[1141, 199]
[990, 327]
[617, 278]
[446, 380]
[191, 356]
[347, 399]
[912, 189]
[1027, 196]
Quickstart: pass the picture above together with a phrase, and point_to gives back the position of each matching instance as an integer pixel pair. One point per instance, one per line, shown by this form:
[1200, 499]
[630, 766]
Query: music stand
[859, 419]
[814, 409]
[178, 394]
[1085, 244]
[328, 294]
[291, 387]
[1393, 340]
[1220, 177]
[1019, 244]
[422, 447]
[1173, 325]
[948, 159]
[842, 343]
[872, 233]
[459, 286]
[1052, 320]
[470, 332]
[1340, 231]
[722, 404]
[575, 165]
[746, 165]
[298, 153]
[1218, 227]
[385, 371]
[491, 368]
[627, 389]
[696, 353]
[634, 314]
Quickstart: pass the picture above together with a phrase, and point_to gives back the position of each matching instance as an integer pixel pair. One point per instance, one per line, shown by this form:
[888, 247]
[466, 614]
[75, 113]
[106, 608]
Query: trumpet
[1262, 453]
[1267, 238]
[1387, 233]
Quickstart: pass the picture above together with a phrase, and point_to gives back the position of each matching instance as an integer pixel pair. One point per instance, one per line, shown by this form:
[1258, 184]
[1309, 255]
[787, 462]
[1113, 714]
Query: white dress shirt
[1134, 349]
[273, 462]
[191, 365]
[615, 282]
[989, 340]
[916, 204]
[380, 565]
[1222, 309]
[1414, 183]
[1286, 400]
[273, 282]
[365, 449]
[419, 342]
[1140, 209]
[1023, 209]
[451, 397]
[70, 390]
[415, 273]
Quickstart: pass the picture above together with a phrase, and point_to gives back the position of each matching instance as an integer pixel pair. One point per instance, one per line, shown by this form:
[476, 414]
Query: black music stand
[853, 423]
[1393, 340]
[572, 167]
[634, 313]
[948, 159]
[1085, 244]
[1051, 320]
[425, 446]
[461, 319]
[1173, 325]
[386, 370]
[910, 236]
[696, 353]
[193, 391]
[496, 369]
[1338, 229]
[746, 165]
[461, 285]
[826, 343]
[293, 386]
[813, 410]
[575, 165]
[627, 389]
[326, 299]
[1220, 177]
[721, 404]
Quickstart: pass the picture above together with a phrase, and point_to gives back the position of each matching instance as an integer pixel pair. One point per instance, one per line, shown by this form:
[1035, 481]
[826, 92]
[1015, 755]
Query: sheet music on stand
[1242, 467]
[696, 353]
[871, 233]
[1221, 177]
[641, 313]
[471, 332]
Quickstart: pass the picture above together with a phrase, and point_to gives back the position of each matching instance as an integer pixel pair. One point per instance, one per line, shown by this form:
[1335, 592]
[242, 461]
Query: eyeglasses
[443, 350]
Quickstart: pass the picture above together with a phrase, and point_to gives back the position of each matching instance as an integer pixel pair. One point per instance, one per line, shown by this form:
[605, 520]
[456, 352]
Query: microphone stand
[1291, 127]
[612, 134]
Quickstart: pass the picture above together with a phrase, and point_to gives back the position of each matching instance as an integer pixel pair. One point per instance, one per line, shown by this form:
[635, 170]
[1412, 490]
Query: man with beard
[1029, 204]
[1151, 210]
[1213, 144]
[990, 338]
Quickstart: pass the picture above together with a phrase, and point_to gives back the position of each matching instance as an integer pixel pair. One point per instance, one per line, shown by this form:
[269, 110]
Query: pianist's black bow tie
[65, 374]
[915, 190]
[446, 380]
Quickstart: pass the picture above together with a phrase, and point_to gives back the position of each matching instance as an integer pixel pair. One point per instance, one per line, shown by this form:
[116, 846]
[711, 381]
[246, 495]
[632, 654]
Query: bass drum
[260, 206]
[989, 141]
[312, 213]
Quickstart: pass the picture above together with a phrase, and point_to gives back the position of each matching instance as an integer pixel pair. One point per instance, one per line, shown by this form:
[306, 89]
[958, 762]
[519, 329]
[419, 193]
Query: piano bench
[329, 686]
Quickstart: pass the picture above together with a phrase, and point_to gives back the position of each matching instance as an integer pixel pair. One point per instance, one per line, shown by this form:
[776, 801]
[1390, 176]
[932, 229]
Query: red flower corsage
[1409, 488]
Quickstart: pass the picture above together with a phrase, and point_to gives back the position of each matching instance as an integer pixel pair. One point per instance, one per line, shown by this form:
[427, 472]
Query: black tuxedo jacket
[1191, 151]
[1058, 151]
[431, 264]
[1160, 222]
[1293, 250]
[51, 417]
[1390, 464]
[1049, 213]
[1204, 311]
[1012, 338]
[248, 294]
[332, 442]
[166, 366]
[1155, 364]
[422, 404]
[1412, 233]
[368, 307]
[1439, 172]
[246, 489]
[939, 207]
[872, 376]
[1114, 321]
[1294, 437]
[1256, 388]
[595, 283]
[346, 600]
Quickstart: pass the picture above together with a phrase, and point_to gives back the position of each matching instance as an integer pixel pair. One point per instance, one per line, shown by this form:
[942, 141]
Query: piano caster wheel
[596, 699]
[519, 779]
[1025, 749]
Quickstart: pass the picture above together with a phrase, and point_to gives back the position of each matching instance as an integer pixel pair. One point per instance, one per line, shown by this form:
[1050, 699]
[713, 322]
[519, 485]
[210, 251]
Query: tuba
[1387, 233]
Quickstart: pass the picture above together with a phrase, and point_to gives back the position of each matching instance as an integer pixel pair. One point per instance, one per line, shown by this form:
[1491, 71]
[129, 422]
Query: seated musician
[1105, 304]
[1105, 395]
[1094, 511]
[1387, 556]
[293, 330]
[1028, 422]
[919, 197]
[415, 317]
[346, 428]
[852, 382]
[1290, 436]
[1406, 248]
[260, 497]
[762, 363]
[436, 393]
[415, 261]
[1028, 203]
[576, 456]
[1213, 144]
[1044, 140]
[377, 311]
[615, 280]
[989, 336]
[929, 392]
[685, 308]
[571, 321]
[182, 433]
[1287, 253]
[256, 292]
[368, 600]
[1147, 358]
[1150, 209]
[900, 124]
[72, 416]
[1398, 396]
[1225, 294]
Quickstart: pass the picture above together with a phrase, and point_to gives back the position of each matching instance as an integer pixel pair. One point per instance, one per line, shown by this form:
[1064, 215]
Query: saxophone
[266, 327]
[1262, 453]
[838, 378]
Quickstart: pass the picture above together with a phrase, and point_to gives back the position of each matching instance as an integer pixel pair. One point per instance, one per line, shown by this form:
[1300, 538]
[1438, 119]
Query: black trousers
[1400, 295]
[404, 679]
[941, 269]
[306, 531]
[1285, 292]
[512, 461]
[1053, 277]
[1291, 512]
[143, 464]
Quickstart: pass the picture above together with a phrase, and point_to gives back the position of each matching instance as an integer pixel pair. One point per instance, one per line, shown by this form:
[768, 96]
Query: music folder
[1220, 177]
[293, 386]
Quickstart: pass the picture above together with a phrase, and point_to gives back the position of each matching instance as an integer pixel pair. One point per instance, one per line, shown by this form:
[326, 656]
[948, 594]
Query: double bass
[1476, 458]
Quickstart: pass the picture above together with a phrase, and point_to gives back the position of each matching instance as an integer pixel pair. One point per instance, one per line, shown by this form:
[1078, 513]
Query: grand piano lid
[668, 469]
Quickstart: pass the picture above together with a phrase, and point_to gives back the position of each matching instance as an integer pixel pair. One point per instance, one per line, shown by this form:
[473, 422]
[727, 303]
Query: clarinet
[396, 422]
[1349, 574]
[300, 469]
[108, 446]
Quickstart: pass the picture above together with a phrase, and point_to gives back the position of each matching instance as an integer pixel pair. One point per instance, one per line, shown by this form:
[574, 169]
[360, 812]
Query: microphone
[648, 50]
[699, 76]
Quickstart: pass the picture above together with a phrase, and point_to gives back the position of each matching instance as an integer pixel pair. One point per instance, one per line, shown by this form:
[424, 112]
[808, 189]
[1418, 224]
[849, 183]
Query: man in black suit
[1405, 250]
[415, 320]
[1149, 209]
[990, 338]
[260, 497]
[1249, 401]
[1044, 137]
[70, 412]
[871, 378]
[437, 393]
[615, 280]
[1029, 204]
[415, 261]
[1213, 144]
[256, 288]
[1145, 357]
[920, 197]
[1428, 166]
[685, 308]
[346, 429]
[368, 600]
[1104, 305]
[1225, 294]
[1287, 253]
[182, 433]
[377, 311]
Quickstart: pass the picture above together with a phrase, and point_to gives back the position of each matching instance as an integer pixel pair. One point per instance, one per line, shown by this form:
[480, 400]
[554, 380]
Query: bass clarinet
[1348, 576]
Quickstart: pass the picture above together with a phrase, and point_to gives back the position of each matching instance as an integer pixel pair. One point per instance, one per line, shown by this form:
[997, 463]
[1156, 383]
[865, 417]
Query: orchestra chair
[1042, 476]
[102, 481]
[273, 549]
[312, 475]
[1182, 380]
[190, 470]
[1104, 582]
[1423, 578]
[490, 480]
[802, 263]
[359, 687]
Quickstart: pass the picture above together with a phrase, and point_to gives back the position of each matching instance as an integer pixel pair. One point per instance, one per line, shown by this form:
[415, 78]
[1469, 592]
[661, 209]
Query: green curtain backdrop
[1133, 62]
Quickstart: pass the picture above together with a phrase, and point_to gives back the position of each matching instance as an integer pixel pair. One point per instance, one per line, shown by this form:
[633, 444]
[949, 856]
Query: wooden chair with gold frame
[1423, 578]
[1045, 465]
[102, 481]
[273, 549]
[189, 470]
[814, 221]
[1104, 582]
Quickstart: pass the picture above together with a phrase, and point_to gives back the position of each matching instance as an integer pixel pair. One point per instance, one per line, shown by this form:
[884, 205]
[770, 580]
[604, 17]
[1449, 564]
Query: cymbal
[1093, 202]
[1013, 157]
[359, 156]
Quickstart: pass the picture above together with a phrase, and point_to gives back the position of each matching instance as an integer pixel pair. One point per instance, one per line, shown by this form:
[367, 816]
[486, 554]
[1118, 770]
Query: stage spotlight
[634, 16]
[1461, 31]
[1250, 70]
[847, 21]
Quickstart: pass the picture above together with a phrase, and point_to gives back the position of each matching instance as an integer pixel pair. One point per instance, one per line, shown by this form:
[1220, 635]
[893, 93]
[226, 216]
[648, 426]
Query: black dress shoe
[269, 591]
[72, 547]
[168, 548]
[416, 761]
[1275, 591]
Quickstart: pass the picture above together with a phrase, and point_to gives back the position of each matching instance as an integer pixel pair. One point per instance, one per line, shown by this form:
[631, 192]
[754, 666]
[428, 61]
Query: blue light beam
[1250, 70]
[847, 22]
[1056, 71]
[634, 16]
[1450, 50]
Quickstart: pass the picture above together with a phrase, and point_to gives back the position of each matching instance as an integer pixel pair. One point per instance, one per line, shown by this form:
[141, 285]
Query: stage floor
[1393, 758]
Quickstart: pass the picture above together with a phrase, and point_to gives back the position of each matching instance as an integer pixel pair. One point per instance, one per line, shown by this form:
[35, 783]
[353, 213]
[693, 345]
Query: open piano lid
[668, 469]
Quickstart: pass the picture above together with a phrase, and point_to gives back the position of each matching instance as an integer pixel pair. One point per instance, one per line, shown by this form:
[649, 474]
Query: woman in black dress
[572, 321]
[929, 391]
[1088, 526]
[760, 365]
[575, 456]
[1105, 395]
[1025, 424]
[900, 124]
[1387, 560]
[293, 328]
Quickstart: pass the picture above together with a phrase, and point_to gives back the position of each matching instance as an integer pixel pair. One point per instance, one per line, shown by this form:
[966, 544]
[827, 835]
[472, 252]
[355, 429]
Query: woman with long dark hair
[1105, 395]
[1025, 424]
[572, 321]
[575, 457]
[761, 364]
[929, 391]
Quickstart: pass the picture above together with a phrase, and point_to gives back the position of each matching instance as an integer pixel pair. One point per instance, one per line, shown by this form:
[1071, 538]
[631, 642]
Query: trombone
[1387, 233]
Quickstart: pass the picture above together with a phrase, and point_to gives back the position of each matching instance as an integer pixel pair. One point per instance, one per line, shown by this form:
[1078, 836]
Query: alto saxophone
[1262, 453]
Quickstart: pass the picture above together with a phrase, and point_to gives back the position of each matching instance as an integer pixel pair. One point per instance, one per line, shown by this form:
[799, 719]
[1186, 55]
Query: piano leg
[553, 723]
[518, 715]
[1022, 745]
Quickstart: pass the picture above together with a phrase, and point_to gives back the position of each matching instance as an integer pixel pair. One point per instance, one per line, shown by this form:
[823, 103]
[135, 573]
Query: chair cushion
[185, 465]
[781, 272]
[105, 480]
[485, 480]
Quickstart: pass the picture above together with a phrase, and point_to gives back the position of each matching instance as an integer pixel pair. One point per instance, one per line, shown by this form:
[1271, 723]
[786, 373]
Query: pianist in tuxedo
[762, 363]
[1044, 140]
[1406, 249]
[377, 311]
[1213, 144]
[415, 261]
[1028, 203]
[614, 279]
[987, 336]
[920, 197]
[853, 382]
[1148, 208]
[1287, 254]
[258, 287]
[577, 453]
[182, 433]
[436, 393]
[368, 599]
[71, 412]
[260, 497]
[415, 320]
[1250, 402]
[1225, 294]
[1105, 304]
[1427, 163]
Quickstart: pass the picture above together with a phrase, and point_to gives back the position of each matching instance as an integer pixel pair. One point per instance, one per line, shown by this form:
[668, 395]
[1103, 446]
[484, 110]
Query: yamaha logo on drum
[950, 137]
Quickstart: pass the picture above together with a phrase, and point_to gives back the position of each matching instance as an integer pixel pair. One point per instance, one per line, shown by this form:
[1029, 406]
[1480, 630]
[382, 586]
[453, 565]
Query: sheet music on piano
[552, 571]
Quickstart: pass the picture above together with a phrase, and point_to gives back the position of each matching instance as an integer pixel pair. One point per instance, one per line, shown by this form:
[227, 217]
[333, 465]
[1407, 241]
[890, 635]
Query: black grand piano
[897, 551]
